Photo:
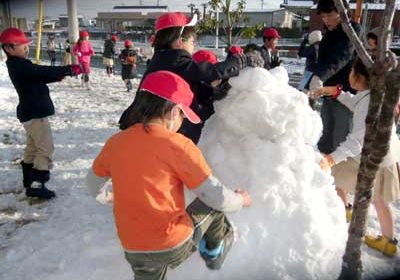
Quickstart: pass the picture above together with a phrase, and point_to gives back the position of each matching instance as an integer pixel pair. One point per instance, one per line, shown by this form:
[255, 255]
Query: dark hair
[165, 37]
[3, 46]
[372, 36]
[327, 6]
[250, 48]
[359, 69]
[147, 106]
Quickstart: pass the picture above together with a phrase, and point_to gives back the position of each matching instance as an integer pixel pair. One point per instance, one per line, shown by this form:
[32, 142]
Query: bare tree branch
[385, 31]
[348, 29]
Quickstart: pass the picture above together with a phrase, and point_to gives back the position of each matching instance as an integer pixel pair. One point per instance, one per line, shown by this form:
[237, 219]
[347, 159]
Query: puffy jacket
[335, 57]
[30, 83]
[85, 50]
[109, 49]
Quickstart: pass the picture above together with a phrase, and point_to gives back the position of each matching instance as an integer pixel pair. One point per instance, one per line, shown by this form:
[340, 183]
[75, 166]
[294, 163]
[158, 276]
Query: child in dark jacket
[174, 45]
[34, 108]
[128, 64]
[108, 54]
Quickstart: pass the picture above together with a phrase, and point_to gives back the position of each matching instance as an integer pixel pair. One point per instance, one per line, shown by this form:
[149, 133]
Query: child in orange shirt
[150, 163]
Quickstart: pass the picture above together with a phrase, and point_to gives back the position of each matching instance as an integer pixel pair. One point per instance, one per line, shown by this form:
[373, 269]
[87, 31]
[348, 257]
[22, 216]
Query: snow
[262, 138]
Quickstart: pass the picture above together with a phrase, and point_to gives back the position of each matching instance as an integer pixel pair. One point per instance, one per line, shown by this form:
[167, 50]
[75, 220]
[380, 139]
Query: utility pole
[191, 6]
[217, 29]
[73, 26]
[39, 31]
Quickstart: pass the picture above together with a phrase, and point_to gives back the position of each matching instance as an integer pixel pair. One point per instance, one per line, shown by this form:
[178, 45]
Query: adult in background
[269, 51]
[109, 53]
[51, 49]
[335, 57]
[309, 49]
[67, 53]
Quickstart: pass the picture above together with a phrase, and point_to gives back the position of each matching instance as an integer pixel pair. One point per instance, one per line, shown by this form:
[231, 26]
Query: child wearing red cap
[128, 64]
[109, 53]
[34, 108]
[174, 45]
[84, 50]
[150, 164]
[268, 50]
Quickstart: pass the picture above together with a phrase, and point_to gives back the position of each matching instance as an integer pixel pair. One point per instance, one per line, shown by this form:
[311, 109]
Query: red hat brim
[190, 115]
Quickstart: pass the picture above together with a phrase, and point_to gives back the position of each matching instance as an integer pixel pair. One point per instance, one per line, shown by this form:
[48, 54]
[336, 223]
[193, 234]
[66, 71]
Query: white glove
[79, 54]
[315, 83]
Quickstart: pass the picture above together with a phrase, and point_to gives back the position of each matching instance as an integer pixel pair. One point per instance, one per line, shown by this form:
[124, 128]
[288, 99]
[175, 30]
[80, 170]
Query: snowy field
[295, 228]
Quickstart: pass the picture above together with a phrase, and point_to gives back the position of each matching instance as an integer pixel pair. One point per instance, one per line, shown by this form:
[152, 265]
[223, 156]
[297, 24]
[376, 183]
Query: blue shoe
[210, 254]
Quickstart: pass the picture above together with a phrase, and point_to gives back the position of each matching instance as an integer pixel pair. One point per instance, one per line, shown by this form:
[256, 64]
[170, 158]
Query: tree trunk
[385, 86]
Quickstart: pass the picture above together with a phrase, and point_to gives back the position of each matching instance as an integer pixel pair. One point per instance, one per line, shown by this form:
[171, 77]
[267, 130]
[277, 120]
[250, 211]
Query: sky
[89, 8]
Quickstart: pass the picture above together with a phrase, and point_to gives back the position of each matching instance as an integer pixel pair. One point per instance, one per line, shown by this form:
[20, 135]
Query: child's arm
[47, 74]
[94, 183]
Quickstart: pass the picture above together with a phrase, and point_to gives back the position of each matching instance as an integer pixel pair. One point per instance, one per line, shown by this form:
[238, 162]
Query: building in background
[63, 21]
[125, 18]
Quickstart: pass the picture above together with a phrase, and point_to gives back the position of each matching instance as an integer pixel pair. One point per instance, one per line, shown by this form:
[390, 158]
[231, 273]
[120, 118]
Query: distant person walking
[109, 53]
[67, 53]
[51, 49]
[128, 58]
[84, 50]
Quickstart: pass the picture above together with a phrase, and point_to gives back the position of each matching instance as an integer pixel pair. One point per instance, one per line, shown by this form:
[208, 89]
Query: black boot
[27, 174]
[40, 190]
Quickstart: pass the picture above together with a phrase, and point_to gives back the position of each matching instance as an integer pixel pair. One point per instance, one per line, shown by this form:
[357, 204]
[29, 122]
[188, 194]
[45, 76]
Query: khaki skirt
[108, 61]
[387, 183]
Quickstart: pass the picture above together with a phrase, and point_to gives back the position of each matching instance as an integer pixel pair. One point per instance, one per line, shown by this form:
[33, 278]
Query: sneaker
[215, 258]
[39, 191]
[349, 212]
[387, 246]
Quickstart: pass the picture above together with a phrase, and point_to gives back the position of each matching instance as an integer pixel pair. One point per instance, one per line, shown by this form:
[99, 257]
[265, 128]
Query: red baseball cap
[204, 55]
[234, 49]
[83, 33]
[271, 33]
[114, 38]
[176, 19]
[128, 43]
[173, 88]
[13, 36]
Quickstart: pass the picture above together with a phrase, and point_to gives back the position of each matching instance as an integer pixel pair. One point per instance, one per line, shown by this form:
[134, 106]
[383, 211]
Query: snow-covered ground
[294, 230]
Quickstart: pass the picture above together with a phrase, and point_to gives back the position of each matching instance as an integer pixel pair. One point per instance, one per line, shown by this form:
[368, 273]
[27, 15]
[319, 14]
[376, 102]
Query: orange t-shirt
[149, 170]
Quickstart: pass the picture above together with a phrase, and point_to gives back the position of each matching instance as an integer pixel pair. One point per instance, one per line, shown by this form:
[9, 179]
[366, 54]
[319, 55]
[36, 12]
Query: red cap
[83, 33]
[176, 19]
[128, 43]
[13, 36]
[114, 38]
[234, 49]
[204, 55]
[171, 87]
[271, 33]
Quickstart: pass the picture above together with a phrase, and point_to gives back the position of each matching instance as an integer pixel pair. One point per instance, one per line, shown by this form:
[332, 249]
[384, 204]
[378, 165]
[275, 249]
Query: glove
[315, 83]
[222, 90]
[275, 62]
[76, 69]
[327, 162]
[79, 54]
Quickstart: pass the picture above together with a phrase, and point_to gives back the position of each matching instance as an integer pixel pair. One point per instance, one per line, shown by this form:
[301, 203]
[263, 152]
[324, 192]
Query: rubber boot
[27, 174]
[39, 189]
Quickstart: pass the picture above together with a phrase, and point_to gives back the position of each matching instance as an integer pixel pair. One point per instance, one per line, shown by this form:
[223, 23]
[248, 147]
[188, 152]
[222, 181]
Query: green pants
[208, 223]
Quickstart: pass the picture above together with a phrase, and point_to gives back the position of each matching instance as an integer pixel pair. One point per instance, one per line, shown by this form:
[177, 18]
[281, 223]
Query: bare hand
[216, 83]
[246, 197]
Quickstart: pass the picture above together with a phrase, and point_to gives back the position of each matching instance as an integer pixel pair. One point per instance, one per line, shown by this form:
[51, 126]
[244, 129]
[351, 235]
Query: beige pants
[39, 144]
[67, 59]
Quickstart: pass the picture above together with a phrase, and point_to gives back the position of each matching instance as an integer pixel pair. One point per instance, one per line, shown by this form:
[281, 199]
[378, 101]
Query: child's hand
[327, 162]
[325, 91]
[246, 197]
[216, 83]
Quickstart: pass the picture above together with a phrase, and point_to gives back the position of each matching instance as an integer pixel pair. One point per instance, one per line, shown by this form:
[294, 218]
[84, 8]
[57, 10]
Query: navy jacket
[335, 57]
[311, 55]
[181, 63]
[109, 49]
[30, 83]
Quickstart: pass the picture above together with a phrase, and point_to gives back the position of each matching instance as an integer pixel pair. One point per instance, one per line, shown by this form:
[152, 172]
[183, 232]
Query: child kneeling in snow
[34, 108]
[149, 164]
[345, 160]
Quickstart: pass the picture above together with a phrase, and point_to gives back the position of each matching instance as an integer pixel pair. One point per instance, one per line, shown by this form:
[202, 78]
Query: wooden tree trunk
[385, 86]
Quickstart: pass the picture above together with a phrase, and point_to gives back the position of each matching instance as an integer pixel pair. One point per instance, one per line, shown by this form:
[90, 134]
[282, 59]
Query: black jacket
[311, 55]
[335, 57]
[30, 83]
[109, 49]
[181, 63]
